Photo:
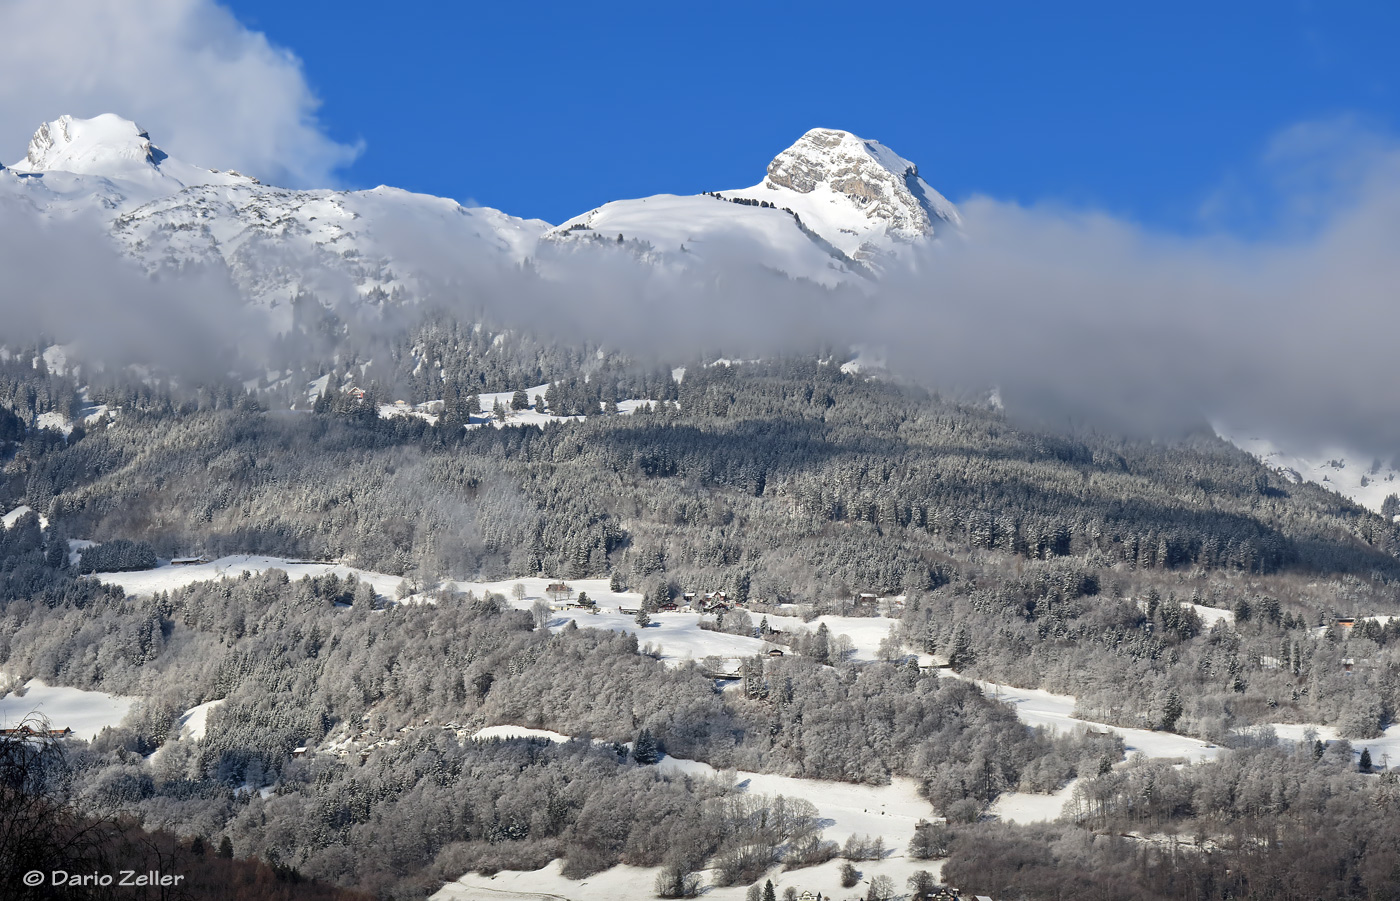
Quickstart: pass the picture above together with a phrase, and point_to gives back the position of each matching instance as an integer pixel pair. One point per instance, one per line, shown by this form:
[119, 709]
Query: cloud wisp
[215, 93]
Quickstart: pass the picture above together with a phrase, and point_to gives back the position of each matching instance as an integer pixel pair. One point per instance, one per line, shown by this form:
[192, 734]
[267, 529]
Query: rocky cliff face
[856, 193]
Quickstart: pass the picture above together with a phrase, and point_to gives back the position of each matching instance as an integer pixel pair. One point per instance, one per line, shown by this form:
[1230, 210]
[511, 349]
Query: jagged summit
[831, 207]
[117, 152]
[854, 191]
[95, 146]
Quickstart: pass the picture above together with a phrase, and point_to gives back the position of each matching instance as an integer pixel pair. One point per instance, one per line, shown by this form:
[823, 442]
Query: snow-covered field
[1211, 615]
[85, 712]
[890, 811]
[678, 636]
[168, 577]
[1026, 808]
[625, 882]
[194, 721]
[865, 632]
[500, 732]
[1056, 712]
[1385, 751]
[887, 810]
[9, 519]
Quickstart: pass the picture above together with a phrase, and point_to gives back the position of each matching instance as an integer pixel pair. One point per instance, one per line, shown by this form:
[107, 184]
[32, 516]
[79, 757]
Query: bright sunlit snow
[85, 712]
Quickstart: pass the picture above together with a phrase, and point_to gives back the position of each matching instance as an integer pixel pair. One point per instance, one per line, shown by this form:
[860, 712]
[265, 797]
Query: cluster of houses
[942, 894]
[25, 732]
[709, 602]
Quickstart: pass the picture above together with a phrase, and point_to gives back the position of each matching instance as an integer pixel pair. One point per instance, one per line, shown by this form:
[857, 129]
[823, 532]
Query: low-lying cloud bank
[1087, 318]
[1083, 319]
[1079, 318]
[64, 281]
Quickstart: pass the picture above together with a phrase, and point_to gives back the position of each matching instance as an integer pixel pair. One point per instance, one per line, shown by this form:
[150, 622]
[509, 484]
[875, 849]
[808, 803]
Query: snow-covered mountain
[859, 195]
[380, 245]
[832, 206]
[273, 243]
[106, 163]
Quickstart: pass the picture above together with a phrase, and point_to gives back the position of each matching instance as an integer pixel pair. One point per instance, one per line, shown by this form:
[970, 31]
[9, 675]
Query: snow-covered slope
[111, 147]
[362, 246]
[102, 164]
[688, 233]
[274, 244]
[1365, 480]
[831, 207]
[87, 713]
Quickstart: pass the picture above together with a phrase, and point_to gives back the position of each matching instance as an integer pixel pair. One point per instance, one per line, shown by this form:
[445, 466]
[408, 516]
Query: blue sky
[548, 109]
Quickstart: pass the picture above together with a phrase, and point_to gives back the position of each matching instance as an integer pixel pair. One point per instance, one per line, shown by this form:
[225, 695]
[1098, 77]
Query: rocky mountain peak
[103, 145]
[879, 182]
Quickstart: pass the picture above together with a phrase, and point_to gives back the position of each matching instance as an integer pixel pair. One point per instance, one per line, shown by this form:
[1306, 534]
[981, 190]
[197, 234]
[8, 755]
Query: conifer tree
[644, 749]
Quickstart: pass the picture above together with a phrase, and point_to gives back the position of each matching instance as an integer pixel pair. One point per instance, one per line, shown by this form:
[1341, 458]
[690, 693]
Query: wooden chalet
[929, 663]
[713, 602]
[188, 561]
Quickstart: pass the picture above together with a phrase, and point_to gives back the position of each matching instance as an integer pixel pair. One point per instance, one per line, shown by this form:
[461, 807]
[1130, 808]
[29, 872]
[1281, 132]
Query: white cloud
[209, 91]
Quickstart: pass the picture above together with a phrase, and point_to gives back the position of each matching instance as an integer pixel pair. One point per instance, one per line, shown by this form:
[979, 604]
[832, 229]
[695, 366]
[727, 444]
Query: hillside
[322, 598]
